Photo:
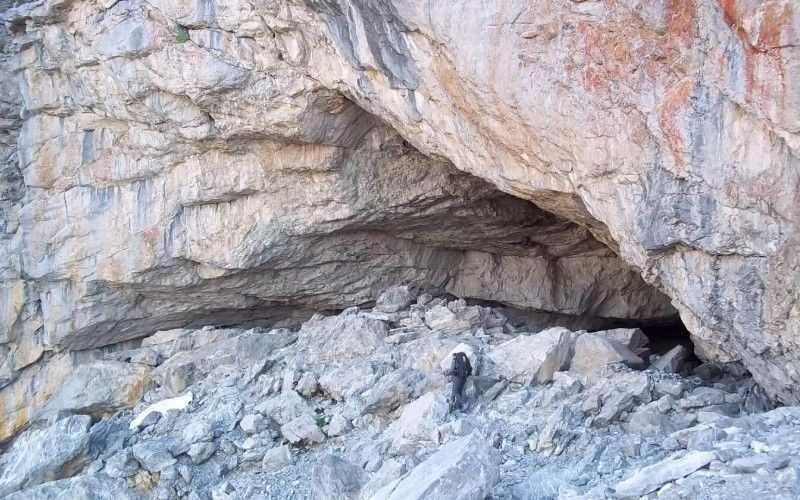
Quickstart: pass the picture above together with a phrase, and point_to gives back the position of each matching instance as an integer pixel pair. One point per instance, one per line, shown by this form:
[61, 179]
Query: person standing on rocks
[459, 371]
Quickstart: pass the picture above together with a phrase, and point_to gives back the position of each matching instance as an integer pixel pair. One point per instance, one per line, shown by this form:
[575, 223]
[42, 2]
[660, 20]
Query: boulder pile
[355, 406]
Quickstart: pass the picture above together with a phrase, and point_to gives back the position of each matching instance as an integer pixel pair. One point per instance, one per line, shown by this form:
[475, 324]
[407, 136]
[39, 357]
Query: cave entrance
[664, 337]
[663, 334]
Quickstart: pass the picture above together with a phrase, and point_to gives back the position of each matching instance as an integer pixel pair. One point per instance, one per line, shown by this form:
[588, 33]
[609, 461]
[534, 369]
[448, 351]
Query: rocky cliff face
[215, 162]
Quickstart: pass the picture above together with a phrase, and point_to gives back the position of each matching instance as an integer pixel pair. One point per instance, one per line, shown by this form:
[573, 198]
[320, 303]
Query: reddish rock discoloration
[675, 101]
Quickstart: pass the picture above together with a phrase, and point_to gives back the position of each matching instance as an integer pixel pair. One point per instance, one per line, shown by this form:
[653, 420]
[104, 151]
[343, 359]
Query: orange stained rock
[669, 109]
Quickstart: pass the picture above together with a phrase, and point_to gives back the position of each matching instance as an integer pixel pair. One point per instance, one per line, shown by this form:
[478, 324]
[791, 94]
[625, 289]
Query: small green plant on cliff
[182, 35]
[320, 422]
[660, 31]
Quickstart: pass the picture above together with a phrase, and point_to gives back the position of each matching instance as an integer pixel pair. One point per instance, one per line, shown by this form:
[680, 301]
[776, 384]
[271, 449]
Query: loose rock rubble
[355, 406]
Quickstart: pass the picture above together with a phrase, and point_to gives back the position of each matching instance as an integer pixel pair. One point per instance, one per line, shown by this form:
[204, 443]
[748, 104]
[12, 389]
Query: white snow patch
[163, 406]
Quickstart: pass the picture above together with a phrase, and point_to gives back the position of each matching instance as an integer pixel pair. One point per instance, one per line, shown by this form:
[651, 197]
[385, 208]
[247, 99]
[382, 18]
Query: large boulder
[348, 379]
[41, 455]
[533, 358]
[394, 299]
[303, 429]
[444, 320]
[652, 477]
[90, 487]
[392, 390]
[277, 458]
[672, 360]
[100, 387]
[284, 407]
[336, 339]
[632, 338]
[186, 367]
[334, 479]
[463, 469]
[214, 417]
[593, 352]
[154, 456]
[418, 422]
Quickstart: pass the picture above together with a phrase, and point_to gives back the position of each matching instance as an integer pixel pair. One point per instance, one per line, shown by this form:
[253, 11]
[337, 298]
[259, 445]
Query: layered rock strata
[210, 162]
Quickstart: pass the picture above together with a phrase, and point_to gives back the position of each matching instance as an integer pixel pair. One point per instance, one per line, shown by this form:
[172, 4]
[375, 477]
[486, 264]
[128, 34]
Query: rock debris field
[355, 406]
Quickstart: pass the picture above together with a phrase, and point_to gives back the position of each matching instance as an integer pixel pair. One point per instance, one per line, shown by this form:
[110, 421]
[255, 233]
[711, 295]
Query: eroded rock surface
[189, 164]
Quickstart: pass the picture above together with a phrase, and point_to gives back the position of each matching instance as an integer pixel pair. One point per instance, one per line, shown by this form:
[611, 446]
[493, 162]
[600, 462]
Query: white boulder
[533, 358]
[460, 470]
[593, 352]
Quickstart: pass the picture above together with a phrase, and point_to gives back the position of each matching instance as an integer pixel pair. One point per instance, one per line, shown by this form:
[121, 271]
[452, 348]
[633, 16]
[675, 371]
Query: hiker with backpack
[459, 371]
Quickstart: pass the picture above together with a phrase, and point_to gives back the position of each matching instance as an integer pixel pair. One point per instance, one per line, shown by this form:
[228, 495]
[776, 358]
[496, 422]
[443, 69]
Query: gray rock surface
[40, 455]
[341, 338]
[335, 479]
[654, 476]
[277, 458]
[465, 468]
[153, 456]
[592, 352]
[100, 387]
[284, 407]
[533, 358]
[94, 487]
[394, 299]
[672, 360]
[632, 338]
[241, 429]
[172, 165]
[302, 429]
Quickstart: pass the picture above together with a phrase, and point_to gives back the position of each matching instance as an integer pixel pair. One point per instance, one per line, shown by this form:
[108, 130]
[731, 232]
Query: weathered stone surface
[394, 299]
[284, 407]
[277, 457]
[592, 352]
[652, 477]
[672, 360]
[349, 379]
[341, 338]
[307, 385]
[121, 464]
[418, 421]
[557, 432]
[559, 438]
[391, 391]
[153, 455]
[753, 463]
[188, 366]
[533, 358]
[334, 478]
[632, 338]
[90, 487]
[253, 423]
[463, 469]
[40, 455]
[338, 426]
[163, 180]
[302, 429]
[100, 387]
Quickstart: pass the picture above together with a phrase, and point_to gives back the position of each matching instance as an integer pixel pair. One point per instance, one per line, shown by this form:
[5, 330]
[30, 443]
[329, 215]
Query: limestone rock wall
[212, 160]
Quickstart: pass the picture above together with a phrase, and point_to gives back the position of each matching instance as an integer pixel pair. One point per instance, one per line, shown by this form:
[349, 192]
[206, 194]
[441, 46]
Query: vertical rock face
[219, 161]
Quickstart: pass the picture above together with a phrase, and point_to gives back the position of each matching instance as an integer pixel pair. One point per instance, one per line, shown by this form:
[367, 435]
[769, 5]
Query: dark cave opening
[664, 337]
